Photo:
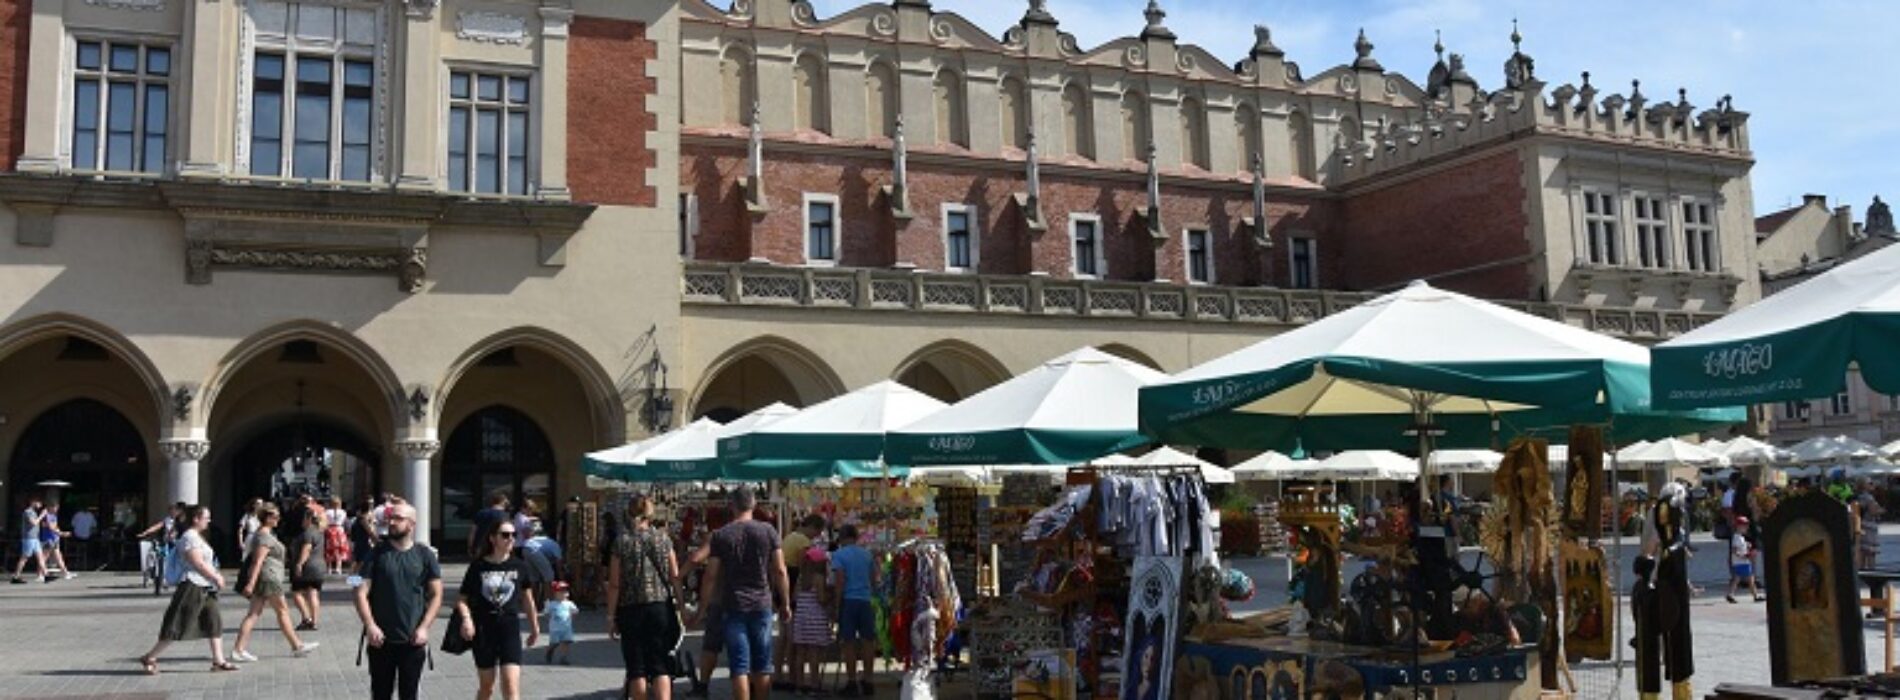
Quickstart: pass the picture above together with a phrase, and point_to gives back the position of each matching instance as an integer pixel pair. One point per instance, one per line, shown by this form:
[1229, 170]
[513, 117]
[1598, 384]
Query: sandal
[150, 664]
[223, 666]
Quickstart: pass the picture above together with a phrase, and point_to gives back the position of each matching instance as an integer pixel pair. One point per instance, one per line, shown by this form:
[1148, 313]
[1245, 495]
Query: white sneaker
[243, 656]
[304, 650]
[70, 576]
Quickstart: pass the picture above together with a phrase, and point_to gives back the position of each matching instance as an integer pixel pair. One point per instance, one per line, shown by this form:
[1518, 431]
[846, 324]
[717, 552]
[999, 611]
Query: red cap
[560, 586]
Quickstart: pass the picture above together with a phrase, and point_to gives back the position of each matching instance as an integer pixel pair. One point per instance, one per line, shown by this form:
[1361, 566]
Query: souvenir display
[1814, 626]
[1153, 610]
[1589, 610]
[1583, 487]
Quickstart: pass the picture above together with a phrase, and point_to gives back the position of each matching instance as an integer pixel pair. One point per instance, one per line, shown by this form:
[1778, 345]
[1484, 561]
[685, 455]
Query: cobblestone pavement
[80, 639]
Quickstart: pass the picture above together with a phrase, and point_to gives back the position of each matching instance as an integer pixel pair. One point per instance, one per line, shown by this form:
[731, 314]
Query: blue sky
[1820, 79]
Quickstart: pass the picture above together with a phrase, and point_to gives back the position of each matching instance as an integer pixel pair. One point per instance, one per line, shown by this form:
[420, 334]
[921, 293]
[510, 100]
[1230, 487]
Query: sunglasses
[504, 533]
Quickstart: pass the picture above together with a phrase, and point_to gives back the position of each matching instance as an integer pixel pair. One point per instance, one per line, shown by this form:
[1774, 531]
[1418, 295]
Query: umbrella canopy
[1170, 457]
[1272, 466]
[615, 462]
[1840, 448]
[1071, 409]
[1749, 451]
[1669, 452]
[1891, 450]
[1796, 344]
[843, 436]
[692, 453]
[1366, 465]
[1465, 461]
[1361, 377]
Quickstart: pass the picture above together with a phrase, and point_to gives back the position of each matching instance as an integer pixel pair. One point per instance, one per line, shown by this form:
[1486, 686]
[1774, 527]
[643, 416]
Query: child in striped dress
[811, 631]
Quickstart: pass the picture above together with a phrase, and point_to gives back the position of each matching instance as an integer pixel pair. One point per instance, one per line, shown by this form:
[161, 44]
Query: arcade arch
[758, 373]
[950, 370]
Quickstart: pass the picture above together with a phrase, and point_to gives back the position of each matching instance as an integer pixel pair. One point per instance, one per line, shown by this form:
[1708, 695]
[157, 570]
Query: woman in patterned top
[640, 580]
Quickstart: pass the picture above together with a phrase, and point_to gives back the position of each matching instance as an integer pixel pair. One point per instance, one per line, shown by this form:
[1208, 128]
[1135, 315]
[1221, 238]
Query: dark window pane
[157, 111]
[158, 61]
[121, 103]
[267, 120]
[518, 90]
[517, 153]
[88, 58]
[358, 74]
[487, 151]
[269, 67]
[125, 59]
[310, 158]
[458, 85]
[356, 138]
[488, 87]
[820, 243]
[313, 71]
[458, 149]
[86, 125]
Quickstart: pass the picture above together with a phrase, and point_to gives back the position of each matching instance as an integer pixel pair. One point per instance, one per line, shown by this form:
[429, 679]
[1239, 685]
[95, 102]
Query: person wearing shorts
[30, 542]
[494, 594]
[853, 577]
[747, 574]
[1741, 555]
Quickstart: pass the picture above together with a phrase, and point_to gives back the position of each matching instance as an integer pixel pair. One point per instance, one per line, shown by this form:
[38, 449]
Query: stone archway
[950, 370]
[1132, 355]
[60, 369]
[759, 373]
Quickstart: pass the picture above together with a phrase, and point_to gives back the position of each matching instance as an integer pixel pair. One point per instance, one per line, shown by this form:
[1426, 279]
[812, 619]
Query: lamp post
[659, 405]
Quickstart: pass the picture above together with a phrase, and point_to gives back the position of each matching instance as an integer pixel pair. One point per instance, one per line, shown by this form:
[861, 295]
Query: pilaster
[553, 87]
[208, 40]
[421, 166]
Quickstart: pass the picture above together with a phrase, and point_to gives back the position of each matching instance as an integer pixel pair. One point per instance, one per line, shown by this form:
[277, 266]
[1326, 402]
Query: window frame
[1609, 235]
[1207, 254]
[1100, 258]
[973, 229]
[1842, 403]
[103, 76]
[1702, 242]
[837, 225]
[339, 52]
[1653, 240]
[1293, 262]
[1795, 410]
[689, 224]
[531, 162]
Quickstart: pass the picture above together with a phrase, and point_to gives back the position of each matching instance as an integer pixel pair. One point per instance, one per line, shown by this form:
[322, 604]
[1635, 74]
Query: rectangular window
[1652, 232]
[1304, 272]
[1200, 265]
[689, 223]
[821, 231]
[1893, 402]
[121, 107]
[312, 91]
[959, 238]
[1794, 410]
[1600, 228]
[488, 133]
[1088, 247]
[1843, 404]
[1698, 231]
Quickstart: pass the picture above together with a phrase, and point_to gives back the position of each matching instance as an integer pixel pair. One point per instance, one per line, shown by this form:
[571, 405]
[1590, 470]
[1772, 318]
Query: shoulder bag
[677, 666]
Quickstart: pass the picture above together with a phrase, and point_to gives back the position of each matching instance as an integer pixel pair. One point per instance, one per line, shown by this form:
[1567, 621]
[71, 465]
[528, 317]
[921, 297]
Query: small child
[1741, 561]
[560, 612]
[811, 633]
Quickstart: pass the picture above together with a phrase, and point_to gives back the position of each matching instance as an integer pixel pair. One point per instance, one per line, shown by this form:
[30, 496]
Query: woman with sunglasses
[495, 592]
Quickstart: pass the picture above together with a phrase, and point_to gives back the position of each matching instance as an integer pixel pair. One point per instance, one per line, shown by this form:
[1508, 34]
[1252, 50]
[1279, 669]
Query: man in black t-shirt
[397, 602]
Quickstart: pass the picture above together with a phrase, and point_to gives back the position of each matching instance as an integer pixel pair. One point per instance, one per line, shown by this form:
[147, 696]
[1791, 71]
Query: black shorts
[642, 648]
[306, 584]
[497, 642]
[715, 623]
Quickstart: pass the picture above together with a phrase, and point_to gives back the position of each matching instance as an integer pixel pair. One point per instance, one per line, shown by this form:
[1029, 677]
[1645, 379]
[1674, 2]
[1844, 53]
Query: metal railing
[870, 289]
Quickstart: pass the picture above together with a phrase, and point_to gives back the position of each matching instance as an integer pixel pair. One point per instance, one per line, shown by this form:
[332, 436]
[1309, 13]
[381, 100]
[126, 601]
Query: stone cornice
[881, 154]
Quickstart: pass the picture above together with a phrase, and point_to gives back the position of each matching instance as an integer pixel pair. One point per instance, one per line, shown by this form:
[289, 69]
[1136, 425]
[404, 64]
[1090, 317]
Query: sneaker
[697, 692]
[243, 656]
[306, 626]
[305, 650]
[70, 576]
[18, 580]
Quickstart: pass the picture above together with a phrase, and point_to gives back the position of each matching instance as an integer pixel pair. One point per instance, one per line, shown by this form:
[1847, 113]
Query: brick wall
[14, 16]
[871, 237]
[1457, 218]
[608, 121]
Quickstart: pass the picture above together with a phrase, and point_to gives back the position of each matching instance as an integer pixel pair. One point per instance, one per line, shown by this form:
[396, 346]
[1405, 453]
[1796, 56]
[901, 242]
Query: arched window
[1193, 134]
[495, 450]
[813, 109]
[736, 88]
[952, 124]
[880, 100]
[1299, 137]
[1135, 134]
[1078, 123]
[1247, 134]
[1014, 101]
[1349, 132]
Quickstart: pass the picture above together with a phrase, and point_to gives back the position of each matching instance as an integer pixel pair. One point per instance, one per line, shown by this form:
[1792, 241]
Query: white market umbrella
[1891, 450]
[1669, 452]
[1068, 410]
[1464, 461]
[1170, 457]
[1273, 466]
[1840, 448]
[1367, 465]
[692, 453]
[1748, 451]
[843, 436]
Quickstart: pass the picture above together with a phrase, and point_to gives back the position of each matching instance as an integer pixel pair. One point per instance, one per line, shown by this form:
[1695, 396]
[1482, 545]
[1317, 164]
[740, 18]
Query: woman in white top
[193, 613]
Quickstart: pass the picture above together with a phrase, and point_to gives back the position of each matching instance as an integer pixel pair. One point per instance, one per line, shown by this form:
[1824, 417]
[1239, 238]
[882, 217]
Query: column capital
[185, 449]
[418, 449]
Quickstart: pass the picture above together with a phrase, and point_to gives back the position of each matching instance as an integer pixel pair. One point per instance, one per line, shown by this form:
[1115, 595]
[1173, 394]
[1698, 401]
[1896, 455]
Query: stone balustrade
[874, 290]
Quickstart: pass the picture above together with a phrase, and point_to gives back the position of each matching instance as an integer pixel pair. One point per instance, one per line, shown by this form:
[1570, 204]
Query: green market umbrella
[622, 463]
[1068, 411]
[1797, 344]
[695, 456]
[1420, 357]
[841, 437]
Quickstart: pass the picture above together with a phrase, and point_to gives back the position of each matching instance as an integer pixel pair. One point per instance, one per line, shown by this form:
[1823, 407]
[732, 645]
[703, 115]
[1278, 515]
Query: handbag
[452, 641]
[677, 666]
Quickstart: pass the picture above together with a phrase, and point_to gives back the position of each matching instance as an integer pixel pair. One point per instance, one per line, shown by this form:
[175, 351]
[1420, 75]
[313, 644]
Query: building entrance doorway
[496, 449]
[92, 447]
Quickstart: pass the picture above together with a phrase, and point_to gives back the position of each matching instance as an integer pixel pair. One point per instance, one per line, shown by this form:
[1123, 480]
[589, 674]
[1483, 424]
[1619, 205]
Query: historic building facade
[445, 247]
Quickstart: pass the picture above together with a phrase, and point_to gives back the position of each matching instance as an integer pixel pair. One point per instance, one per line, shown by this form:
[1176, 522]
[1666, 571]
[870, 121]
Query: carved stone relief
[134, 5]
[491, 28]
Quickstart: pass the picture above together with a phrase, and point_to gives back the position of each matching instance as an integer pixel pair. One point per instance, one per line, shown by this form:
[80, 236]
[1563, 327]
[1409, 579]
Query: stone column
[415, 481]
[182, 456]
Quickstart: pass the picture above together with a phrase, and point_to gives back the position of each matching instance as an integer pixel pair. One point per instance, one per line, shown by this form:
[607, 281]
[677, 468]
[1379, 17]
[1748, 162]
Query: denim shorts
[749, 642]
[29, 547]
[856, 621]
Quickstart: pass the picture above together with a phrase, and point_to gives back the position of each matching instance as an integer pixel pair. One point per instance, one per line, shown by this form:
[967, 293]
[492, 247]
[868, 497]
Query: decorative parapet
[875, 290]
[1566, 112]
